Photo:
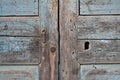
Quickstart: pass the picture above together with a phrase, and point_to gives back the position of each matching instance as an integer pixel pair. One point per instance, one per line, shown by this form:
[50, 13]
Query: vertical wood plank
[68, 16]
[49, 23]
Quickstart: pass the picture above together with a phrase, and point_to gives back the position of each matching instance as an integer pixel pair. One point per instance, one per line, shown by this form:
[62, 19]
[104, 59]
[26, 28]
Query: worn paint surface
[20, 50]
[19, 73]
[18, 7]
[28, 33]
[20, 26]
[93, 7]
[100, 72]
[69, 67]
[49, 57]
[49, 21]
[98, 27]
[89, 38]
[99, 51]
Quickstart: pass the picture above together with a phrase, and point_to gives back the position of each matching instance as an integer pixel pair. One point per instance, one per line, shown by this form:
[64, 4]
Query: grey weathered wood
[100, 72]
[49, 56]
[19, 73]
[100, 51]
[20, 50]
[98, 27]
[20, 26]
[27, 29]
[98, 7]
[18, 7]
[101, 34]
[69, 66]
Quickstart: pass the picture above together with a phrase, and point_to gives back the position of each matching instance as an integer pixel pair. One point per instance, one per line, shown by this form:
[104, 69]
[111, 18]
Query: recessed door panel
[98, 51]
[100, 72]
[20, 26]
[20, 50]
[98, 27]
[19, 73]
[18, 7]
[99, 7]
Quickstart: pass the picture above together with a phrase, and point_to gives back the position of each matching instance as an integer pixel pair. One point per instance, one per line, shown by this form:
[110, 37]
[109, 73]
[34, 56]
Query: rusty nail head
[52, 49]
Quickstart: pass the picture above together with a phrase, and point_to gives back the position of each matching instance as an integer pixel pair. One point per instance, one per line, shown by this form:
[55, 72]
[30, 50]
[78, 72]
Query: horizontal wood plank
[20, 26]
[19, 50]
[18, 7]
[100, 72]
[96, 7]
[98, 27]
[98, 51]
[19, 73]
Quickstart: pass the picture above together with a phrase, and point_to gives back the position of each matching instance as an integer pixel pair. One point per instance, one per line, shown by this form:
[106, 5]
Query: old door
[28, 39]
[90, 39]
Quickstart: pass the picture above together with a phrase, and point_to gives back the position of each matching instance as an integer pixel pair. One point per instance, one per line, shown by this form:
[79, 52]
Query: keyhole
[87, 45]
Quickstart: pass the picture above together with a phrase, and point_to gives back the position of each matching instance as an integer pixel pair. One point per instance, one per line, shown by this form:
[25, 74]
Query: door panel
[89, 37]
[100, 72]
[19, 7]
[98, 27]
[98, 51]
[20, 26]
[98, 7]
[19, 72]
[29, 39]
[20, 50]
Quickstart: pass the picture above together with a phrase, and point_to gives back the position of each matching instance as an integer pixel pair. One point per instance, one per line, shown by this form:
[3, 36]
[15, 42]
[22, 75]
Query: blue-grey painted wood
[98, 27]
[20, 50]
[99, 51]
[19, 73]
[91, 7]
[18, 7]
[20, 26]
[100, 72]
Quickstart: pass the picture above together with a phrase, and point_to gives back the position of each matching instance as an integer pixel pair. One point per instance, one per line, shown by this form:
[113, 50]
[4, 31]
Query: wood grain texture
[98, 7]
[49, 22]
[20, 50]
[69, 67]
[99, 51]
[18, 7]
[19, 72]
[86, 40]
[100, 72]
[36, 36]
[20, 26]
[98, 27]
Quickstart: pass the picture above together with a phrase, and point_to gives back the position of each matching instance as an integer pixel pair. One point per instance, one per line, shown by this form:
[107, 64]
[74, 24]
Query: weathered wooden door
[28, 40]
[90, 39]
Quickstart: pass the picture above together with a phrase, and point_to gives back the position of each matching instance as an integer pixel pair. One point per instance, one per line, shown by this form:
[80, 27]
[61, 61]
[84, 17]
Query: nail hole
[71, 29]
[43, 30]
[87, 45]
[6, 27]
[73, 53]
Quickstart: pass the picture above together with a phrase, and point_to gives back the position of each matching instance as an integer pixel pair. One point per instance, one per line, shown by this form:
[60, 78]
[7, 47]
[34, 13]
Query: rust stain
[52, 64]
